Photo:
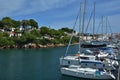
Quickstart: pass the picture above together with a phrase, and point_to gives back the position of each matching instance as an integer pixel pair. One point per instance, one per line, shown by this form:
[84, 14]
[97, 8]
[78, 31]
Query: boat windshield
[101, 69]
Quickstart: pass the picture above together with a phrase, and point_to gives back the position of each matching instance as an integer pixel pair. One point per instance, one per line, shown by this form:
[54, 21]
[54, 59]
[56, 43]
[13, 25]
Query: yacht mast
[106, 25]
[83, 19]
[102, 27]
[80, 17]
[94, 22]
[106, 29]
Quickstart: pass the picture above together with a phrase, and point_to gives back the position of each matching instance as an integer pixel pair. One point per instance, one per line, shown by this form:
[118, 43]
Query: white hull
[92, 63]
[86, 73]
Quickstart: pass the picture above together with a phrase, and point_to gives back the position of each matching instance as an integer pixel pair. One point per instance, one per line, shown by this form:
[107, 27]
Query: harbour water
[33, 64]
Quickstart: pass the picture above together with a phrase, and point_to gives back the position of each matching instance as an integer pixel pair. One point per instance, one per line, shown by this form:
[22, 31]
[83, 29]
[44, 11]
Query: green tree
[1, 34]
[25, 24]
[6, 42]
[45, 41]
[66, 29]
[36, 33]
[8, 22]
[33, 23]
[5, 34]
[44, 30]
[17, 24]
[30, 38]
[65, 39]
[1, 24]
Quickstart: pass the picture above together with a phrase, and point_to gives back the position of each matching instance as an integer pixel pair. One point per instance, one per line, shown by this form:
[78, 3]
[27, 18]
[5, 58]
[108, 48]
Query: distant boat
[93, 44]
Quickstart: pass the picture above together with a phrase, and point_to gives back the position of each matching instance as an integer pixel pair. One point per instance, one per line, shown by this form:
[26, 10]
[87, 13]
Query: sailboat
[85, 66]
[89, 73]
[87, 61]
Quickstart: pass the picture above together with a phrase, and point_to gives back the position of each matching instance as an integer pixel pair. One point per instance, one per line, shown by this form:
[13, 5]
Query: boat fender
[77, 54]
[98, 73]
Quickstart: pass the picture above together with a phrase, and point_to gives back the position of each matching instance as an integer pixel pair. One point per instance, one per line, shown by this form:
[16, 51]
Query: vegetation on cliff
[19, 33]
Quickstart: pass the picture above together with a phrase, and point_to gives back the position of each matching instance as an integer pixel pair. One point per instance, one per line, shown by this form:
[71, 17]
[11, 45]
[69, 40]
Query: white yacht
[90, 73]
[87, 61]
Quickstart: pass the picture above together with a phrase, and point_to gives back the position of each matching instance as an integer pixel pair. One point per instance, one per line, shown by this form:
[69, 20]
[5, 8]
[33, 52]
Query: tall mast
[106, 29]
[106, 25]
[102, 27]
[83, 19]
[94, 22]
[80, 17]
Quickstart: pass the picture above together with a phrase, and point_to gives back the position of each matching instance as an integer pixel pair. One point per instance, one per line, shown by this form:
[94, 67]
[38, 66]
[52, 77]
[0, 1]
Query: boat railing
[77, 54]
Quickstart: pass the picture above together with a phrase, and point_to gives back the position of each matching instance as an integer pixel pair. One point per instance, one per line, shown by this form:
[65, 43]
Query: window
[68, 62]
[85, 64]
[103, 65]
[94, 64]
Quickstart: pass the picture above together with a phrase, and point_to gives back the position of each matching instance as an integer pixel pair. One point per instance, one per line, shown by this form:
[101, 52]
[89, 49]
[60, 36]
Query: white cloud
[24, 7]
[108, 7]
[9, 6]
[27, 7]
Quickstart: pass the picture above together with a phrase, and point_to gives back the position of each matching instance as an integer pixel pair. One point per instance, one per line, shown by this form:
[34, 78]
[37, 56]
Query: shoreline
[33, 45]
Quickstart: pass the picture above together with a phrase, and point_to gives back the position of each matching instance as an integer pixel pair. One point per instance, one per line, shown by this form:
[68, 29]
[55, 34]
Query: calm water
[33, 64]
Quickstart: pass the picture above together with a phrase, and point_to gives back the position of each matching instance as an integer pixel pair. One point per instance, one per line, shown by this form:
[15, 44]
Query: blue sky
[61, 13]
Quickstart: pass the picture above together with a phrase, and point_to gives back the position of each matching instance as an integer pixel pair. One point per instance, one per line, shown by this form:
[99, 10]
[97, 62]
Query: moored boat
[88, 73]
[87, 61]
